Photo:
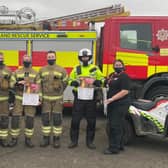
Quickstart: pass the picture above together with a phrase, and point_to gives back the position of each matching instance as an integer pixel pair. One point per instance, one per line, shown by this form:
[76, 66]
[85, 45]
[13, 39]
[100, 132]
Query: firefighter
[5, 75]
[86, 107]
[53, 82]
[20, 79]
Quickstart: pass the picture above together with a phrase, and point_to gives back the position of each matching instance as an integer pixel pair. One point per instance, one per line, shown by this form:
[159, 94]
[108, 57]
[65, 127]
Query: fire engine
[141, 42]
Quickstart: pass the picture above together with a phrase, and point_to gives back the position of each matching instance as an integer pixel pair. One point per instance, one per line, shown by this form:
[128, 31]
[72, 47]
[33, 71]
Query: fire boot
[13, 142]
[45, 142]
[28, 142]
[56, 142]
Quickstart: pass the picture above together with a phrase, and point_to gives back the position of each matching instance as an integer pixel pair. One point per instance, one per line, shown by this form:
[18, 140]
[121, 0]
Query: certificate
[30, 99]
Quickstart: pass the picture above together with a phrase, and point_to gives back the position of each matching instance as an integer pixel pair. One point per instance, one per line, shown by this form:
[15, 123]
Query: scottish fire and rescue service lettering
[46, 35]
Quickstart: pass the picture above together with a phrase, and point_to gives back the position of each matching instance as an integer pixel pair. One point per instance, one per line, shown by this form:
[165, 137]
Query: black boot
[90, 145]
[13, 142]
[45, 142]
[28, 142]
[72, 145]
[56, 142]
[4, 143]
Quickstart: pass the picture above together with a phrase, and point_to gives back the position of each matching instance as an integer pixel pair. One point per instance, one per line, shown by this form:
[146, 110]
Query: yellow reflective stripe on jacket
[5, 73]
[32, 75]
[18, 97]
[57, 73]
[44, 73]
[20, 75]
[3, 98]
[52, 97]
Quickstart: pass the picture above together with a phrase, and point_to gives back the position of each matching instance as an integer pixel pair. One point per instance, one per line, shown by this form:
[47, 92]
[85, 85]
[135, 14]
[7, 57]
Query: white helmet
[85, 53]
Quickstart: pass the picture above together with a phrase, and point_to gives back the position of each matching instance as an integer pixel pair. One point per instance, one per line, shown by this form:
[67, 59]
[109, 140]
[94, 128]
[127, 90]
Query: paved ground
[144, 152]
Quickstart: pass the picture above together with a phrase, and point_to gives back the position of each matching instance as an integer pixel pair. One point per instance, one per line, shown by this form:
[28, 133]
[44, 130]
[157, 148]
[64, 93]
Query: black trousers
[87, 109]
[116, 117]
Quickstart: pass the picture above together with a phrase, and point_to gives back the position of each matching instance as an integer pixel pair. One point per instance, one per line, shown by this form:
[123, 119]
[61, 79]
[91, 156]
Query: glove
[75, 83]
[97, 83]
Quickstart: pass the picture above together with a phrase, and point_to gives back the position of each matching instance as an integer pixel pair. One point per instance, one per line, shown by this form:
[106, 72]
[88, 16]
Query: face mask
[26, 64]
[1, 63]
[118, 69]
[51, 62]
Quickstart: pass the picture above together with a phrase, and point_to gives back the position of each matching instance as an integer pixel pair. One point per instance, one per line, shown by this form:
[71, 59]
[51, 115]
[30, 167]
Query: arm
[117, 96]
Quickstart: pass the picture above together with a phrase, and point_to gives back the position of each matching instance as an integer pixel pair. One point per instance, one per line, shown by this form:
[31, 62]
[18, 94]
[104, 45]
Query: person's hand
[97, 83]
[75, 83]
[22, 82]
[108, 101]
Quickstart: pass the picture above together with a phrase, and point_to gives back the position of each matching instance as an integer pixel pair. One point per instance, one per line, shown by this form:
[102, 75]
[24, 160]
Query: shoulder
[7, 69]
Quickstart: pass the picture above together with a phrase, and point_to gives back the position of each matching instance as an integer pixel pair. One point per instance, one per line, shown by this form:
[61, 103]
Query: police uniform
[53, 82]
[31, 76]
[5, 75]
[85, 108]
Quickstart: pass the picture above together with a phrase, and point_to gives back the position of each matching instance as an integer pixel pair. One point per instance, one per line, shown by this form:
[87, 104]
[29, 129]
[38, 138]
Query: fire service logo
[162, 35]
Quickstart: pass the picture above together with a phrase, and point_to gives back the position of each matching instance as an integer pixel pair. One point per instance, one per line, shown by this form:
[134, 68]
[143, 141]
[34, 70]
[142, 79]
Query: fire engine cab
[142, 43]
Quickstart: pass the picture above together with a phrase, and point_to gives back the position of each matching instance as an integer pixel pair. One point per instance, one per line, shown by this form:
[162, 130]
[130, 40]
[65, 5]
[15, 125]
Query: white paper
[30, 99]
[85, 93]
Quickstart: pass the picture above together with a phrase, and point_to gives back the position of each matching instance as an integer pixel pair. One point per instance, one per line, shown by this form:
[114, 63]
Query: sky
[56, 8]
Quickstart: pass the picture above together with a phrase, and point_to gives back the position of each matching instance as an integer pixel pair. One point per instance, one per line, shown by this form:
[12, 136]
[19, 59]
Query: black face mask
[51, 62]
[118, 69]
[26, 64]
[1, 63]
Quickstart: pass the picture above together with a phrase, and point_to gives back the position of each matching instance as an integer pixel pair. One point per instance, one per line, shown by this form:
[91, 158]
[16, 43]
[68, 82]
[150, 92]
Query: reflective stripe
[57, 73]
[3, 133]
[29, 132]
[14, 132]
[18, 97]
[3, 98]
[53, 97]
[155, 121]
[57, 130]
[5, 73]
[46, 129]
[32, 75]
[20, 75]
[45, 73]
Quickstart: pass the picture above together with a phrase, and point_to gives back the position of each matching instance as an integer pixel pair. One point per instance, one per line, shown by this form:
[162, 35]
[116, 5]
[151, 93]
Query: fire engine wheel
[158, 91]
[129, 134]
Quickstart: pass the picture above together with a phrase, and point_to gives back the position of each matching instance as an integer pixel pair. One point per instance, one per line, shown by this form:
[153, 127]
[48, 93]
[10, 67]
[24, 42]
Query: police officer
[53, 82]
[5, 75]
[21, 78]
[118, 101]
[81, 107]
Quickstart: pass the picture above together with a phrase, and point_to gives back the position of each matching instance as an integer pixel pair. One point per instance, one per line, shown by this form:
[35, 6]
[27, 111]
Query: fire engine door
[161, 43]
[135, 49]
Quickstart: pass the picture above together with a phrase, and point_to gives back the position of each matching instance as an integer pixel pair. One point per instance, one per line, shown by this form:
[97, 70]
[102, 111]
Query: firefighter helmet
[85, 53]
